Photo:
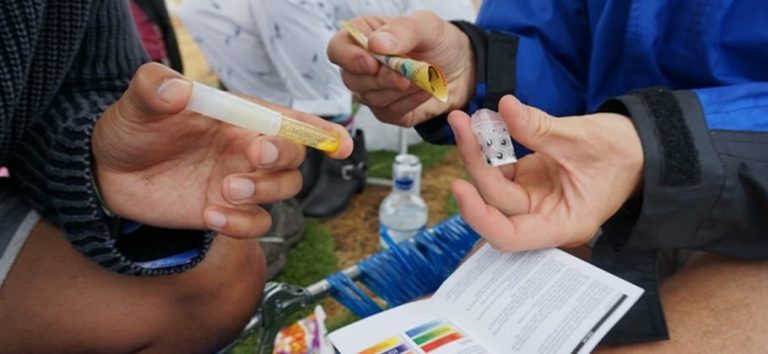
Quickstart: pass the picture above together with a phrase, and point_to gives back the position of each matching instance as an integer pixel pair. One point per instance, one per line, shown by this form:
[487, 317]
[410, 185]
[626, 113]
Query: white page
[412, 328]
[535, 302]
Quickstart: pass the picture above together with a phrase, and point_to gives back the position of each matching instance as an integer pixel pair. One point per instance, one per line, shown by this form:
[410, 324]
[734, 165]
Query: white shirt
[276, 49]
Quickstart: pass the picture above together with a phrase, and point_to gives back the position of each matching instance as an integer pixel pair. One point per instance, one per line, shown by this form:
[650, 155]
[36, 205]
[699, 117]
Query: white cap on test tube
[234, 110]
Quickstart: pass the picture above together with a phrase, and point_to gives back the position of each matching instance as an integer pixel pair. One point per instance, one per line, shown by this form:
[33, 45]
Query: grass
[247, 346]
[309, 261]
[451, 206]
[346, 317]
[380, 162]
[313, 258]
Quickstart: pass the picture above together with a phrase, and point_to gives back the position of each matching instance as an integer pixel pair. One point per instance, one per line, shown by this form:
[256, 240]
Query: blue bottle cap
[403, 183]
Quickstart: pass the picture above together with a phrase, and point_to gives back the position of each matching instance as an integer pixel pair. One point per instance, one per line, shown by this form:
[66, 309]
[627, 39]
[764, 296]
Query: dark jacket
[693, 77]
[62, 63]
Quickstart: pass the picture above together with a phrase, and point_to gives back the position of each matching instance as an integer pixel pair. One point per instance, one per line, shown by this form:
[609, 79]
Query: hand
[583, 170]
[161, 165]
[391, 97]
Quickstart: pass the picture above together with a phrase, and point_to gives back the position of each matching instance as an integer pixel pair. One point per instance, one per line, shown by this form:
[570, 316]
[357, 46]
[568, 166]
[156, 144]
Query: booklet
[544, 301]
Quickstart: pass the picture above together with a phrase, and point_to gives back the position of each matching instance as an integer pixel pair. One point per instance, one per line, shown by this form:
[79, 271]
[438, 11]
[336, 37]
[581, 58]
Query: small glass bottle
[403, 213]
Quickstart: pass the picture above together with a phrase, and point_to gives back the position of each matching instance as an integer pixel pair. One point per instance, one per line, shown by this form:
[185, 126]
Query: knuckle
[262, 222]
[146, 68]
[410, 24]
[146, 74]
[541, 124]
[290, 155]
[299, 156]
[290, 185]
[425, 15]
[386, 78]
[492, 197]
[253, 221]
[385, 115]
[372, 100]
[265, 192]
[351, 81]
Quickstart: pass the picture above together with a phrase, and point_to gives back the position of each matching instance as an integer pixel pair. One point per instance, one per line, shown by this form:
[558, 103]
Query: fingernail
[241, 188]
[172, 90]
[215, 219]
[387, 42]
[268, 153]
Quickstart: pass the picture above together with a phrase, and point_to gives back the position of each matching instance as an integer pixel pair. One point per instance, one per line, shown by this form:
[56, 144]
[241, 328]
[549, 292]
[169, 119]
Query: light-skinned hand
[583, 170]
[161, 165]
[391, 97]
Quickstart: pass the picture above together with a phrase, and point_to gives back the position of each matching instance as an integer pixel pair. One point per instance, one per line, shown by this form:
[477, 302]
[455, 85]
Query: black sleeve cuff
[436, 130]
[495, 66]
[682, 173]
[150, 251]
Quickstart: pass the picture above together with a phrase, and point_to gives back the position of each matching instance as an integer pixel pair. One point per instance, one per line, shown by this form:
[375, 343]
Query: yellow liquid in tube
[243, 113]
[308, 135]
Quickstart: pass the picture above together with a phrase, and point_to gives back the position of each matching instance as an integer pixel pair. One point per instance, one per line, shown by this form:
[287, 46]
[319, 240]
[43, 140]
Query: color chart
[435, 334]
[394, 345]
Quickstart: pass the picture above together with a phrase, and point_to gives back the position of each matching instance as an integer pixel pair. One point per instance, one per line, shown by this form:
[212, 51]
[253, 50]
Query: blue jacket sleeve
[706, 170]
[537, 51]
[553, 48]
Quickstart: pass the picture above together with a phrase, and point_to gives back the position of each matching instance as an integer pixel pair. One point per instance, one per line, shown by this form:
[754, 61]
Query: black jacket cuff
[682, 172]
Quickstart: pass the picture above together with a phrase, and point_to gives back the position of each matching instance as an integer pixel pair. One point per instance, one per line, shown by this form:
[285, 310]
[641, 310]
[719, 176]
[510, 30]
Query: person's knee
[233, 283]
[84, 308]
[214, 301]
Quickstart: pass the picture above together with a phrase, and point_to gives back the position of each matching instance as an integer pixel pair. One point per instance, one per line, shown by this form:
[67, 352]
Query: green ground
[313, 258]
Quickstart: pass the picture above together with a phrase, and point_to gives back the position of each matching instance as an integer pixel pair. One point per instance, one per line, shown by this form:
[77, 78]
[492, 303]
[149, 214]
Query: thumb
[155, 92]
[406, 34]
[534, 128]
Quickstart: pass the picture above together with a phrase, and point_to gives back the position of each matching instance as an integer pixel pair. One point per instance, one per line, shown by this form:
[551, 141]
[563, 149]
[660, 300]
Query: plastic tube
[250, 115]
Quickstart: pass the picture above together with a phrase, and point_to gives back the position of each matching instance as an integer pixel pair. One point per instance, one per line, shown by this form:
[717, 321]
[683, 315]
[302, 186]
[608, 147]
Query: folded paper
[427, 77]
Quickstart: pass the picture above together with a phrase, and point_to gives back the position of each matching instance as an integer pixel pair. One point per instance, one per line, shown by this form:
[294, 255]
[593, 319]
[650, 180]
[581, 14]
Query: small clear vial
[492, 133]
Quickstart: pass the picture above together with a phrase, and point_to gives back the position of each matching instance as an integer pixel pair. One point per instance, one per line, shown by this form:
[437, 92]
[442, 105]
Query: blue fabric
[171, 261]
[575, 54]
[739, 108]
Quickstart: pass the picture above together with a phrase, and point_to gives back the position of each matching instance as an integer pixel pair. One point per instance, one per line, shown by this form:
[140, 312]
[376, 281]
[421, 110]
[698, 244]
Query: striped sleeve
[52, 163]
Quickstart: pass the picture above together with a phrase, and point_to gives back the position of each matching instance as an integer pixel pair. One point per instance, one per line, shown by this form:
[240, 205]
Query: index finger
[348, 54]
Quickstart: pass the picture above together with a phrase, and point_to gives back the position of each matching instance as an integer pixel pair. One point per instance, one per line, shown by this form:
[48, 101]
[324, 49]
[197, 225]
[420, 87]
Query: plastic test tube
[250, 115]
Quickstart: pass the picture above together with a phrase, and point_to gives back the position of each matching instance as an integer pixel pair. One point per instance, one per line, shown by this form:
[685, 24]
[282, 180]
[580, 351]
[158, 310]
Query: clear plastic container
[403, 213]
[492, 133]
